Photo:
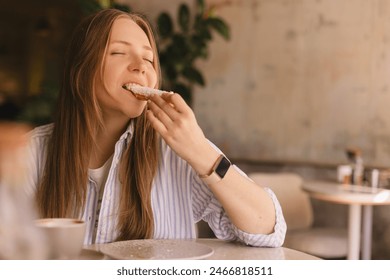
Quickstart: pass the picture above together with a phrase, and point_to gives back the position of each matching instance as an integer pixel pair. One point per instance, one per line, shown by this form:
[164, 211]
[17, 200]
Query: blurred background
[278, 85]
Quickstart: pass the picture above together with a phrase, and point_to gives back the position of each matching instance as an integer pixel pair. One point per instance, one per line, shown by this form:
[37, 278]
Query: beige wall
[299, 81]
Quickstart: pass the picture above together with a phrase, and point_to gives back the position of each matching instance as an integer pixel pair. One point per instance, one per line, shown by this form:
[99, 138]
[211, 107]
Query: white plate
[151, 249]
[87, 254]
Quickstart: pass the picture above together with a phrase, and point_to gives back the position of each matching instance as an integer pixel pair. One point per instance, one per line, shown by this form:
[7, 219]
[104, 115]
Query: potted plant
[181, 46]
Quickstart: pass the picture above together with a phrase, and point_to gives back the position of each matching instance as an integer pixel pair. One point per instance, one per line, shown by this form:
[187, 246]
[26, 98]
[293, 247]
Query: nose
[137, 65]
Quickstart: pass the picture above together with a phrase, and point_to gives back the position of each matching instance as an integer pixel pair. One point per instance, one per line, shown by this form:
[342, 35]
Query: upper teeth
[129, 85]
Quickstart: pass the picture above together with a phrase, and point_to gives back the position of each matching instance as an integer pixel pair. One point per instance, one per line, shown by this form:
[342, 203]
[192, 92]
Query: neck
[106, 137]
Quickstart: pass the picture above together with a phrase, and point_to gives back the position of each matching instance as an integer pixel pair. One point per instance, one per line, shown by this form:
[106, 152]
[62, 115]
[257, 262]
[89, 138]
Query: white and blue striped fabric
[179, 199]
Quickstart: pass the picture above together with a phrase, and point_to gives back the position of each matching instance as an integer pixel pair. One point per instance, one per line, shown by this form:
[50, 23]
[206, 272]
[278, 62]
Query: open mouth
[141, 92]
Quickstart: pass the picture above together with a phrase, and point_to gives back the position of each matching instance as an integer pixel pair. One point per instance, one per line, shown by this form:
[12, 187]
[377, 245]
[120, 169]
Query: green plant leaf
[168, 67]
[194, 75]
[199, 47]
[203, 52]
[185, 92]
[205, 34]
[121, 7]
[165, 25]
[171, 73]
[180, 47]
[89, 6]
[201, 30]
[39, 109]
[201, 7]
[220, 26]
[197, 22]
[184, 17]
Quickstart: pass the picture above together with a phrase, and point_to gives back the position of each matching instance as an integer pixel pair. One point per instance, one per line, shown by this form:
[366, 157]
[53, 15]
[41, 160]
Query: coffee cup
[64, 236]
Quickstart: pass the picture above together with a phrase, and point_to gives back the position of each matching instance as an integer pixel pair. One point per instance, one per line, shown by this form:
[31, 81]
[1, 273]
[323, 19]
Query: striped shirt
[179, 198]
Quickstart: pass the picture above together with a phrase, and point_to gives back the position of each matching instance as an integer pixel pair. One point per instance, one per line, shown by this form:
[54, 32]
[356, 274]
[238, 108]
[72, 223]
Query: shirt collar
[128, 134]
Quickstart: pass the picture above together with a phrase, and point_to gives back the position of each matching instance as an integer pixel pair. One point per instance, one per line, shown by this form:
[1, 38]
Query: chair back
[296, 205]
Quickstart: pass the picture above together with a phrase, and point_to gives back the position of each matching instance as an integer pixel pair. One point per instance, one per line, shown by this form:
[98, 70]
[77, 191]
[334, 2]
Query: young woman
[136, 169]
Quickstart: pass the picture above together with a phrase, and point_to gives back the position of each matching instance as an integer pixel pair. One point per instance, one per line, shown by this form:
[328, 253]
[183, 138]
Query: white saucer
[151, 249]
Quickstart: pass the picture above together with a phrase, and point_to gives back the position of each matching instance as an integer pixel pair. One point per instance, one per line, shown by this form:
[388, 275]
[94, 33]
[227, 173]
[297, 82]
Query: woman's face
[129, 59]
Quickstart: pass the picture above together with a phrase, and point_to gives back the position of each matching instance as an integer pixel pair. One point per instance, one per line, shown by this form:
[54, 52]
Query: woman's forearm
[248, 205]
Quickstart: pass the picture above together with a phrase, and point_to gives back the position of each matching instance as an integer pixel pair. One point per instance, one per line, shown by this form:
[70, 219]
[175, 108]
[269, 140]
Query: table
[224, 250]
[358, 198]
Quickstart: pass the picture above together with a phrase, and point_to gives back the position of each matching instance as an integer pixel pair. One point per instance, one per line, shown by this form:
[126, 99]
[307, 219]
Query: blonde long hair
[63, 187]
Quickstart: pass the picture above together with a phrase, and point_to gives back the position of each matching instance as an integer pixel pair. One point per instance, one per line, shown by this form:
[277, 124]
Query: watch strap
[218, 171]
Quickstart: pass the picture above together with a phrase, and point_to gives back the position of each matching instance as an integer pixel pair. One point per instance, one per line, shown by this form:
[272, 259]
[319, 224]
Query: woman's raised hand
[176, 123]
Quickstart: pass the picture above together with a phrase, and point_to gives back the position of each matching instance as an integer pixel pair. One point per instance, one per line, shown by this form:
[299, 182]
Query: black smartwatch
[218, 172]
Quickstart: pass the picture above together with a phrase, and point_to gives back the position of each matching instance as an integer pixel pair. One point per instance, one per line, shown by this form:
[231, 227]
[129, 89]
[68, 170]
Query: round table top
[222, 250]
[346, 194]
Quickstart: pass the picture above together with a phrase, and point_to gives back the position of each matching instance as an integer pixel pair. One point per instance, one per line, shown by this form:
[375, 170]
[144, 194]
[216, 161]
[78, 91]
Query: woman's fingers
[159, 104]
[174, 120]
[169, 109]
[177, 101]
[160, 114]
[156, 123]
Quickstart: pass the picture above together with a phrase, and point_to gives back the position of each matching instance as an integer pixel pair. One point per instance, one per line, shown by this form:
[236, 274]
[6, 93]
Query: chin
[135, 112]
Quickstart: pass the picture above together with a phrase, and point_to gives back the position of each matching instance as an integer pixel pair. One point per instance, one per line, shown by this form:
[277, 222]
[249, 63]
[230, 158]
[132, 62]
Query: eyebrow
[130, 44]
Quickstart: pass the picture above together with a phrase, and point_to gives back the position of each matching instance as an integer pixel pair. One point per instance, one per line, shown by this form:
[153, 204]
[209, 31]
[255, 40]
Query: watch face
[223, 167]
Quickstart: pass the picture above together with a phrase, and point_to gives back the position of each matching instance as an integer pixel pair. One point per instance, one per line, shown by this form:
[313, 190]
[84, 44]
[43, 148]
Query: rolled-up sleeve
[208, 208]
